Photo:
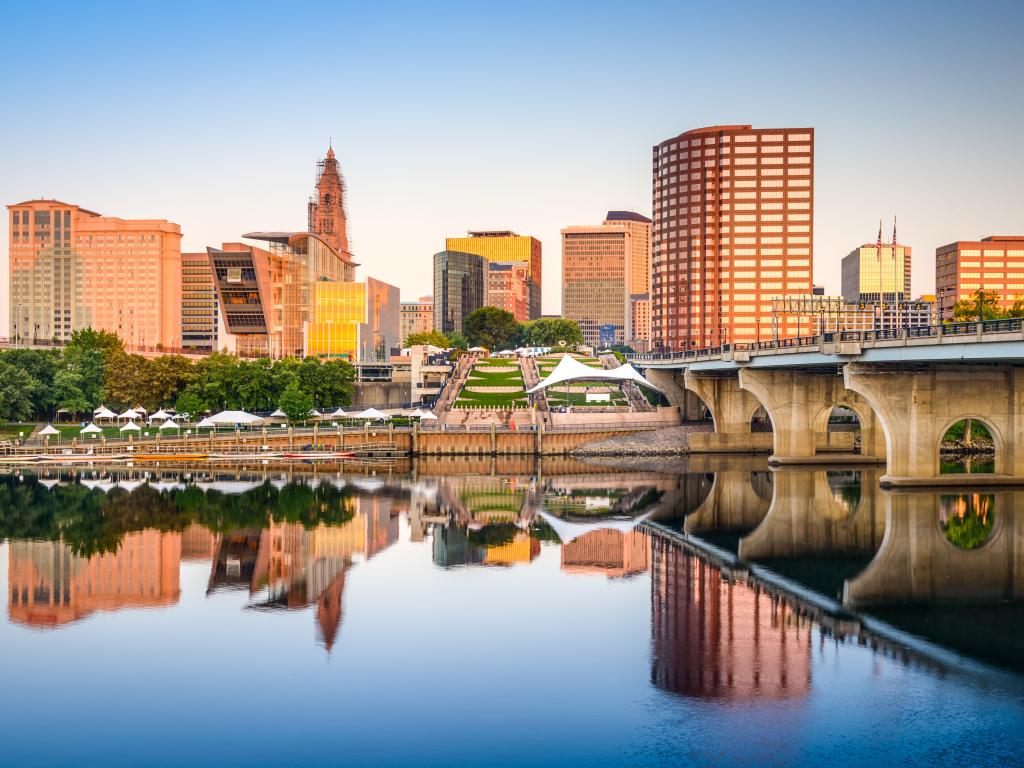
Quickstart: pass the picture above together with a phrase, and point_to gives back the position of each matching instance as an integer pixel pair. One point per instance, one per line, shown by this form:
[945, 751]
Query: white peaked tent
[206, 423]
[428, 416]
[169, 424]
[230, 418]
[278, 414]
[129, 414]
[103, 413]
[131, 426]
[339, 414]
[571, 369]
[417, 414]
[372, 414]
[161, 414]
[315, 414]
[91, 429]
[48, 431]
[476, 349]
[568, 531]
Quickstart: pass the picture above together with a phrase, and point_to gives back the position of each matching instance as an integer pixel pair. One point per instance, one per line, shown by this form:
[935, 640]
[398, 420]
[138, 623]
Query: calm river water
[477, 612]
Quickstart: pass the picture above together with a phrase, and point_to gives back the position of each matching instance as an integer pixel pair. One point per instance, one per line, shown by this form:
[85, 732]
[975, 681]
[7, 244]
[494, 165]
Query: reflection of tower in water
[719, 639]
[608, 551]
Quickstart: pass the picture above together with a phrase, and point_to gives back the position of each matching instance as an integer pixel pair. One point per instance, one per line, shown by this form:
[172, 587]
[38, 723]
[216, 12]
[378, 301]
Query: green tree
[434, 338]
[15, 386]
[296, 402]
[551, 331]
[985, 303]
[87, 354]
[490, 327]
[42, 365]
[333, 383]
[67, 392]
[190, 402]
[457, 340]
[254, 385]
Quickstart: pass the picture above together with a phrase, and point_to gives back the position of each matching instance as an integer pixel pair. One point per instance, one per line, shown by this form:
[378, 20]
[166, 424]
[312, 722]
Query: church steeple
[327, 207]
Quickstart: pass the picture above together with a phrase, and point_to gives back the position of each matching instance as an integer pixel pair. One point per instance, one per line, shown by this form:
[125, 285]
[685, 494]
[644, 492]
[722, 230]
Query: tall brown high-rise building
[733, 228]
[327, 208]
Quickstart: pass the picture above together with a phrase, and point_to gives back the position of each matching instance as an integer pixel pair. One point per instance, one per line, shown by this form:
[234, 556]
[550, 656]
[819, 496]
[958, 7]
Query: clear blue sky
[456, 116]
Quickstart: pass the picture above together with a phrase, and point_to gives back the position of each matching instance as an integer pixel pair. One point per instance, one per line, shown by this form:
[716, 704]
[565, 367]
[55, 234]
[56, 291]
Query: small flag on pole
[878, 245]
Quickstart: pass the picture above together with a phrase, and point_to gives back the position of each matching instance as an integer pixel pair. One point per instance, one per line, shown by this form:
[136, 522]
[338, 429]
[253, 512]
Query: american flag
[878, 245]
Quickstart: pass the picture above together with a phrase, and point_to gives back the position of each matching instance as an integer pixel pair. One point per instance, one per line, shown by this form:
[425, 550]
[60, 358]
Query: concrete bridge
[906, 388]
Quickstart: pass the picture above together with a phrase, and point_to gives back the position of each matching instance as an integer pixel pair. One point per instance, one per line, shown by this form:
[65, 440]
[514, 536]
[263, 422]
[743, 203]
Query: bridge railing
[971, 328]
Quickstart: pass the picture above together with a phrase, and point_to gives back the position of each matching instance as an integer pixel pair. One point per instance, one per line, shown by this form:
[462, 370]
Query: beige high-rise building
[71, 268]
[733, 229]
[416, 317]
[198, 304]
[606, 279]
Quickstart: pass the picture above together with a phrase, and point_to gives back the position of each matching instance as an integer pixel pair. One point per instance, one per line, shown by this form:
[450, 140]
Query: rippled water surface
[465, 613]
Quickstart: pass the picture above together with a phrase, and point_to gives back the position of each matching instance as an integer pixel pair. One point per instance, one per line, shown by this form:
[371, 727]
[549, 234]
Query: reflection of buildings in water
[522, 549]
[198, 543]
[50, 586]
[714, 638]
[301, 566]
[453, 547]
[613, 553]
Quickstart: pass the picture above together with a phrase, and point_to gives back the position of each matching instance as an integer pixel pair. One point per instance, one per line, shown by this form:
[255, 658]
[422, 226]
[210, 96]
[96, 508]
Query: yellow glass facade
[340, 310]
[506, 247]
[868, 275]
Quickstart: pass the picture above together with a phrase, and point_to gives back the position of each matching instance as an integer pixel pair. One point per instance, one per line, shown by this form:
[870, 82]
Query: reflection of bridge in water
[840, 549]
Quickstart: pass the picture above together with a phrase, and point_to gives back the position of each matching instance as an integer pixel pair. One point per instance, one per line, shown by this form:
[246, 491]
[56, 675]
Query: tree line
[498, 329]
[94, 368]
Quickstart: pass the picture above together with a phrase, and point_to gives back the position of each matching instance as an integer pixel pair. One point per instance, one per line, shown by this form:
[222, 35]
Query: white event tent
[373, 414]
[567, 531]
[231, 418]
[571, 369]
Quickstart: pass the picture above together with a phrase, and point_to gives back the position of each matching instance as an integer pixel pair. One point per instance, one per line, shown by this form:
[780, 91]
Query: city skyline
[946, 180]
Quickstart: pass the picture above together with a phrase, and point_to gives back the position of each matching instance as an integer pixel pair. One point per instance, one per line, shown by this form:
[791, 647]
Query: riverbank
[666, 441]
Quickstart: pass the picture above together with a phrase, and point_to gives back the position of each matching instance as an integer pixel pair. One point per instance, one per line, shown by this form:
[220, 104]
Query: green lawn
[481, 377]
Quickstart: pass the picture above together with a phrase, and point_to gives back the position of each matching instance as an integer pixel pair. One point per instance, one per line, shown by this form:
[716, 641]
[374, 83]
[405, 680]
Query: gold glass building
[506, 247]
[882, 274]
[359, 322]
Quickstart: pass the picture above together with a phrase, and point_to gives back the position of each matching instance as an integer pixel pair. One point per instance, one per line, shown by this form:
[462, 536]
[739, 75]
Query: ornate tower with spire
[327, 206]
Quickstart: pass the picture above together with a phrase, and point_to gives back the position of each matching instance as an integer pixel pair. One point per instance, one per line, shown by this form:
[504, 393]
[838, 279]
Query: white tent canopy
[571, 369]
[315, 414]
[129, 414]
[476, 349]
[91, 429]
[48, 430]
[103, 413]
[278, 414]
[339, 414]
[169, 424]
[161, 414]
[131, 426]
[428, 416]
[567, 531]
[372, 414]
[230, 418]
[206, 423]
[417, 414]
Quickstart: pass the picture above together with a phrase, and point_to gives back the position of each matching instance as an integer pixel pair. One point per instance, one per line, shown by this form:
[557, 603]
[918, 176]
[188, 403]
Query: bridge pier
[917, 407]
[689, 405]
[731, 410]
[799, 403]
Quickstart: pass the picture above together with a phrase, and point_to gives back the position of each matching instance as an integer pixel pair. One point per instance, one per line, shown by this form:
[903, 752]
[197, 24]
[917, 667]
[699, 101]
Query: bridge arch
[998, 440]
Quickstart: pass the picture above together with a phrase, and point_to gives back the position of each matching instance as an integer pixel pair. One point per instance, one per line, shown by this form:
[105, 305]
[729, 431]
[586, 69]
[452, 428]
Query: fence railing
[1013, 325]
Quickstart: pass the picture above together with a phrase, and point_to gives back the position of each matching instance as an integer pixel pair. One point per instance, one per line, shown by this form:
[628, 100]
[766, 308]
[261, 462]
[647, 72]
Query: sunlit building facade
[994, 264]
[358, 321]
[877, 274]
[267, 296]
[459, 288]
[326, 214]
[416, 317]
[506, 247]
[603, 267]
[733, 229]
[508, 288]
[71, 268]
